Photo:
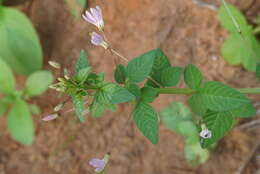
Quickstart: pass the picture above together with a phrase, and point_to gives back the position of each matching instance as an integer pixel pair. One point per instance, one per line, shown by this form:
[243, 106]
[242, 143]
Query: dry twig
[248, 159]
[205, 4]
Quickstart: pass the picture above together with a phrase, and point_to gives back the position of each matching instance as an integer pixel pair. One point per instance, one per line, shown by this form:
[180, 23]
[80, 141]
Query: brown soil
[186, 32]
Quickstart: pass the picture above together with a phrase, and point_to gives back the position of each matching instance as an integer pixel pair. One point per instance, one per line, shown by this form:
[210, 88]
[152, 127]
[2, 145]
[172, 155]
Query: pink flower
[94, 16]
[50, 117]
[98, 40]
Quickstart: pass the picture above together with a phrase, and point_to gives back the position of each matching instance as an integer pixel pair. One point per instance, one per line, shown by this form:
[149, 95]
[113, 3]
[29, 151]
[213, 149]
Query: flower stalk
[189, 91]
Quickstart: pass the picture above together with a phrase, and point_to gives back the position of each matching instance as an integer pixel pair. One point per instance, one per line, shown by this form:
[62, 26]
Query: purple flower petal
[94, 16]
[97, 39]
[98, 164]
[89, 18]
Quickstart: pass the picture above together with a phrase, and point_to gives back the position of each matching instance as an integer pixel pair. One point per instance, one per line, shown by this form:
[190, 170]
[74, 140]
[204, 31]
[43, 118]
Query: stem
[118, 54]
[176, 91]
[249, 90]
[187, 91]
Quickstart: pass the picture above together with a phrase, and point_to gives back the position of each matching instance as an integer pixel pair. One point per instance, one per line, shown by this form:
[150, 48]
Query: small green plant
[178, 118]
[215, 106]
[242, 46]
[20, 45]
[13, 103]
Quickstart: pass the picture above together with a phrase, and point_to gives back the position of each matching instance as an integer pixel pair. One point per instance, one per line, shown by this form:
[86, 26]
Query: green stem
[187, 91]
[176, 91]
[249, 90]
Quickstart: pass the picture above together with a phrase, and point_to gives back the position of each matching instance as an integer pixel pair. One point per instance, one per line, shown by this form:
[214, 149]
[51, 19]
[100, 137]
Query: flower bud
[98, 40]
[50, 117]
[54, 64]
[58, 107]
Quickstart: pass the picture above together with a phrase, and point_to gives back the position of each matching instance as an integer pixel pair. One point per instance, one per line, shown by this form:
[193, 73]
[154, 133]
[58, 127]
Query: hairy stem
[176, 91]
[249, 90]
[188, 91]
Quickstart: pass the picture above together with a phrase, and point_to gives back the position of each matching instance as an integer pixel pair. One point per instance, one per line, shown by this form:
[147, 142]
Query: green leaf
[238, 51]
[244, 111]
[139, 68]
[196, 105]
[170, 76]
[102, 100]
[7, 81]
[148, 94]
[35, 110]
[38, 82]
[227, 21]
[188, 130]
[134, 89]
[161, 62]
[146, 120]
[121, 95]
[20, 123]
[96, 109]
[174, 114]
[79, 107]
[82, 62]
[192, 76]
[195, 154]
[258, 71]
[120, 74]
[219, 97]
[219, 123]
[4, 104]
[20, 45]
[83, 74]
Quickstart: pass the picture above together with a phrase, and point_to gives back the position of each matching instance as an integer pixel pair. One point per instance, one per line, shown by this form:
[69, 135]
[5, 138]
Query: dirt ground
[187, 33]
